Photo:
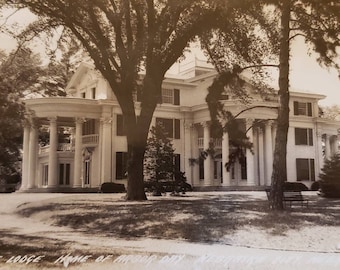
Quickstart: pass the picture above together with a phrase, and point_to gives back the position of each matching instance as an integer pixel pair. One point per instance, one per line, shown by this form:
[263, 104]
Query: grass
[205, 219]
[196, 218]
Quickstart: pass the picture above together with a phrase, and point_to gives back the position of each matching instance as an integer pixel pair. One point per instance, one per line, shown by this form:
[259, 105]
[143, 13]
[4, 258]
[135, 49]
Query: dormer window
[303, 108]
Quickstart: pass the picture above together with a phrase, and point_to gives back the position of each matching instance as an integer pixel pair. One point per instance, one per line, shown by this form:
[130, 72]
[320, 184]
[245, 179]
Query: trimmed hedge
[112, 188]
[295, 186]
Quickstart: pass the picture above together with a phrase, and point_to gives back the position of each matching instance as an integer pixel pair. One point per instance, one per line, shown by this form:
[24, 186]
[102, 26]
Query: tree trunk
[135, 186]
[137, 134]
[279, 175]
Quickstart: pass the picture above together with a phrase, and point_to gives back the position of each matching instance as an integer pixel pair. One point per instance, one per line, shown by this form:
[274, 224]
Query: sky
[306, 74]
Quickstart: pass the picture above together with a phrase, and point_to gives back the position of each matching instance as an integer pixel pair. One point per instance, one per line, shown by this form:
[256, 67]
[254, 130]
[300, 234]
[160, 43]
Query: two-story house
[86, 144]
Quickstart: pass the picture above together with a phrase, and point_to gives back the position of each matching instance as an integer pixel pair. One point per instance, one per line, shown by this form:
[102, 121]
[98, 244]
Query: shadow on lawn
[203, 219]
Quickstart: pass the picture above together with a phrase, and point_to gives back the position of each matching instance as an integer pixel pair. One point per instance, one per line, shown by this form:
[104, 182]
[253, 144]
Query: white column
[78, 153]
[319, 155]
[195, 155]
[225, 159]
[25, 158]
[52, 156]
[262, 179]
[327, 147]
[334, 146]
[274, 130]
[249, 155]
[188, 168]
[106, 150]
[33, 149]
[208, 178]
[269, 153]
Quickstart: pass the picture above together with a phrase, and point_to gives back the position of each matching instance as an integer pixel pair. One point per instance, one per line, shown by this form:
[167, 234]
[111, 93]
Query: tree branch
[254, 107]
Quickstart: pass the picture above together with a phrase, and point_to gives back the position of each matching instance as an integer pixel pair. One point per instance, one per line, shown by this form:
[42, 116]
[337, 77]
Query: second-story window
[303, 136]
[302, 108]
[171, 126]
[170, 96]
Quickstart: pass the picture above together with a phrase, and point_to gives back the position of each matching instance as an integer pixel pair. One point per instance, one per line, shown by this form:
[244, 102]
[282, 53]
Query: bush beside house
[330, 178]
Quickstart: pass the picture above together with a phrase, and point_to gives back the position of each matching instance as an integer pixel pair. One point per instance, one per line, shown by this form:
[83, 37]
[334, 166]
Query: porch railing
[91, 139]
[216, 142]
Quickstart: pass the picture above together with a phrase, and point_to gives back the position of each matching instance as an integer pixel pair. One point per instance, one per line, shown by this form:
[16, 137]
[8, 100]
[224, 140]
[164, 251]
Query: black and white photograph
[170, 134]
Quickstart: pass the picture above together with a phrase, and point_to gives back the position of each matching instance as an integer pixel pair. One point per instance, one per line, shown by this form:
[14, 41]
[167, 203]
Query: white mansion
[95, 150]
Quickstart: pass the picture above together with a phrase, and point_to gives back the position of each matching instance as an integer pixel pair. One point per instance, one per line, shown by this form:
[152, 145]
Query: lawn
[205, 218]
[106, 224]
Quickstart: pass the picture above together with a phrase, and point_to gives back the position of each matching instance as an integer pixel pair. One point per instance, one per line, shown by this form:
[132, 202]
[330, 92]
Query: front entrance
[218, 168]
[87, 173]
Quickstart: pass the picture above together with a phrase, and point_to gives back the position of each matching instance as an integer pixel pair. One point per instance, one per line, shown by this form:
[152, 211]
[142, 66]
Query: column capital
[52, 119]
[34, 123]
[26, 123]
[319, 134]
[106, 120]
[80, 120]
[270, 123]
[205, 124]
[188, 125]
[250, 121]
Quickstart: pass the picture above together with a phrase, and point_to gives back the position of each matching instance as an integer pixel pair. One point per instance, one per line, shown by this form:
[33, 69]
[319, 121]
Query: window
[302, 108]
[121, 165]
[170, 96]
[83, 94]
[172, 127]
[303, 136]
[45, 175]
[89, 127]
[305, 169]
[64, 174]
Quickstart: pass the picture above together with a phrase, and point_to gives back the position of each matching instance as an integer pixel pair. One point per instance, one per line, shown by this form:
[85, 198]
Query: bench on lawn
[294, 196]
[290, 196]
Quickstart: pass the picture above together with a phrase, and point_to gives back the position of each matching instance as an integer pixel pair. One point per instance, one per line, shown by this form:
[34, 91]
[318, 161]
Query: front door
[87, 172]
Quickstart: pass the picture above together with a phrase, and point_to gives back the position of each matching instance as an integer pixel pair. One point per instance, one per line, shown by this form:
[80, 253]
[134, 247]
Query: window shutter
[176, 97]
[296, 108]
[310, 136]
[312, 170]
[309, 109]
[119, 165]
[177, 163]
[120, 125]
[177, 129]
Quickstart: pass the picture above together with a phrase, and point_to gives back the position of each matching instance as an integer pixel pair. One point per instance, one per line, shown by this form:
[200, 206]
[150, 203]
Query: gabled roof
[76, 77]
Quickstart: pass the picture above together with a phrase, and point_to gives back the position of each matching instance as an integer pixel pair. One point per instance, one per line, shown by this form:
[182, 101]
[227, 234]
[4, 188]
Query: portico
[258, 161]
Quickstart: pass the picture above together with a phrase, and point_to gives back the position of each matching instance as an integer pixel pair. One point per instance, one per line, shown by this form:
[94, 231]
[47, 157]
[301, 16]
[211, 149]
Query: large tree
[124, 37]
[318, 23]
[18, 73]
